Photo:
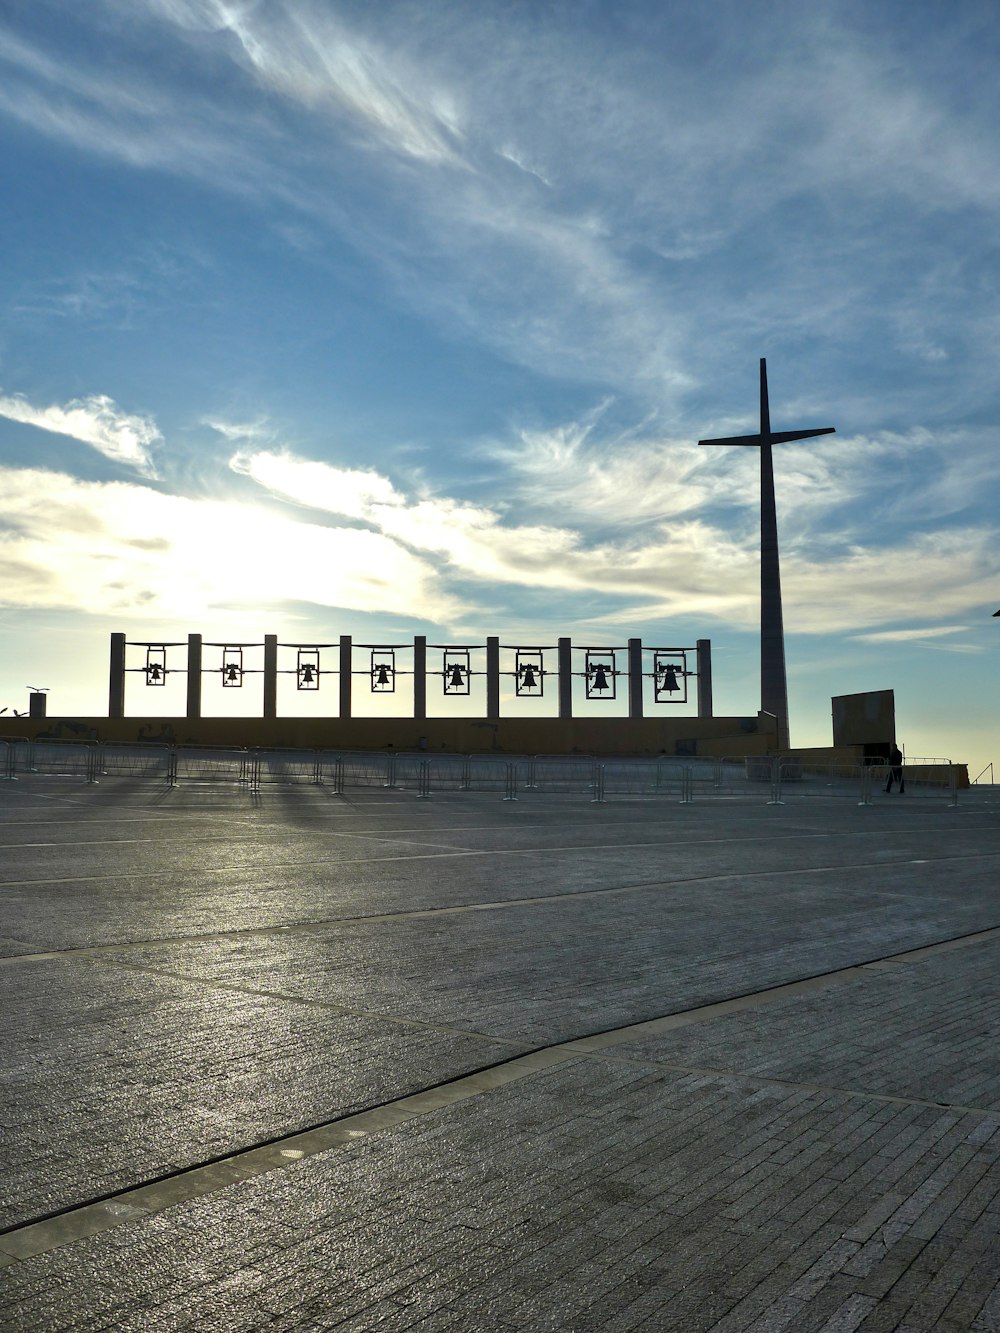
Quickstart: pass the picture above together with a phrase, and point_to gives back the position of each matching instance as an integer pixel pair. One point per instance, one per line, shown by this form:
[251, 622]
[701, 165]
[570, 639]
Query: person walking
[895, 769]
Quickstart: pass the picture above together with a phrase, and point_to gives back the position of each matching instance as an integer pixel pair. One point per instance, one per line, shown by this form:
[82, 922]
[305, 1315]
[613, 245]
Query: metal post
[424, 780]
[346, 663]
[390, 771]
[270, 675]
[420, 677]
[338, 777]
[703, 651]
[953, 783]
[466, 772]
[194, 676]
[776, 781]
[171, 767]
[493, 679]
[510, 783]
[866, 785]
[687, 786]
[635, 678]
[116, 686]
[598, 784]
[565, 678]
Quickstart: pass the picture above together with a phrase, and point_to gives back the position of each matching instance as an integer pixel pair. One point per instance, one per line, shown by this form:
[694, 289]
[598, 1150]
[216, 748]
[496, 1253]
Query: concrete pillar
[565, 678]
[346, 664]
[703, 649]
[270, 675]
[635, 678]
[493, 679]
[420, 677]
[194, 676]
[116, 686]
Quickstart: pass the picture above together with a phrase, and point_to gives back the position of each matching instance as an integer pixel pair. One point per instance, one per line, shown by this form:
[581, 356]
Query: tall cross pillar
[773, 681]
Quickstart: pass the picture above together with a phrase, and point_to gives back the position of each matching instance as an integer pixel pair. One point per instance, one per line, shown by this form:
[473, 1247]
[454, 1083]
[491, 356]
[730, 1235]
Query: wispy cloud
[96, 420]
[688, 566]
[906, 635]
[126, 549]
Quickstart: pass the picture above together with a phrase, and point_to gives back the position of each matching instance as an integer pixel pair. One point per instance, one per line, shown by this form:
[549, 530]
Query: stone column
[635, 678]
[703, 649]
[420, 677]
[565, 678]
[194, 676]
[493, 679]
[346, 663]
[116, 687]
[270, 675]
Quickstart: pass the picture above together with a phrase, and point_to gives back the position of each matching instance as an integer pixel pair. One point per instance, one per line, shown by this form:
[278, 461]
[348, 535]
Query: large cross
[773, 682]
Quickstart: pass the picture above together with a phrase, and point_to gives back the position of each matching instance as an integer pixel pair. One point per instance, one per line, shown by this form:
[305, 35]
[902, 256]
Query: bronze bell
[601, 677]
[530, 681]
[669, 680]
[232, 673]
[382, 674]
[154, 672]
[456, 682]
[307, 675]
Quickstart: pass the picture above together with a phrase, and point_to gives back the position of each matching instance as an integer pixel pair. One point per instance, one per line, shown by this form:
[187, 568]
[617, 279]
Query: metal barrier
[777, 779]
[8, 762]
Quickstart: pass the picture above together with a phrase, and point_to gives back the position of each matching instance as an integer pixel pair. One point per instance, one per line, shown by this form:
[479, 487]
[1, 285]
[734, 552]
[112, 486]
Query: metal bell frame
[456, 671]
[156, 666]
[232, 668]
[383, 671]
[529, 673]
[670, 676]
[601, 673]
[307, 670]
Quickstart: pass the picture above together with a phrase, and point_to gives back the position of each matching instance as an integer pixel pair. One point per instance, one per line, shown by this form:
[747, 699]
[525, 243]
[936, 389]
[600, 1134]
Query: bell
[307, 675]
[601, 677]
[669, 682]
[232, 673]
[382, 675]
[456, 681]
[530, 681]
[155, 671]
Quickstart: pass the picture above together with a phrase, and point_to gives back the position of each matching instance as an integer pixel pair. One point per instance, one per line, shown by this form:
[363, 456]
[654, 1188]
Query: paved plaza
[288, 1059]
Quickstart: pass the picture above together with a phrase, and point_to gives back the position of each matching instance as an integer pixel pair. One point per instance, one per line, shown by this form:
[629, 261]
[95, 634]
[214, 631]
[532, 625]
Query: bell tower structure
[773, 681]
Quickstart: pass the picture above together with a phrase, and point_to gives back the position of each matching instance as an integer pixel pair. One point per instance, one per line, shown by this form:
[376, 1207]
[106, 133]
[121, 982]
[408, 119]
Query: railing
[987, 769]
[778, 780]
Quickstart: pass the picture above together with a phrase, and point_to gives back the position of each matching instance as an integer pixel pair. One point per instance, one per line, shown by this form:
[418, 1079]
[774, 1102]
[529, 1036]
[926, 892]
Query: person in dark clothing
[895, 769]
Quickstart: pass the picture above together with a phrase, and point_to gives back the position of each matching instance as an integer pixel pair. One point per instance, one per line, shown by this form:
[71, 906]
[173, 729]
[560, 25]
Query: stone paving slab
[110, 1077]
[590, 1197]
[552, 970]
[616, 1191]
[925, 1030]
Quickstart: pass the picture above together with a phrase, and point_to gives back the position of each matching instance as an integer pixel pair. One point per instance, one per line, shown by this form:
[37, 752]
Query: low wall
[688, 736]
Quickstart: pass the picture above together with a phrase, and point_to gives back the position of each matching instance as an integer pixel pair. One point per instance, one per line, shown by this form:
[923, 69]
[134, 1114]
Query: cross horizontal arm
[734, 439]
[787, 436]
[775, 437]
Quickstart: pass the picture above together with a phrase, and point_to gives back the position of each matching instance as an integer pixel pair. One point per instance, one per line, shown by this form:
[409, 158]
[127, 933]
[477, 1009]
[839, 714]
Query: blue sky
[400, 318]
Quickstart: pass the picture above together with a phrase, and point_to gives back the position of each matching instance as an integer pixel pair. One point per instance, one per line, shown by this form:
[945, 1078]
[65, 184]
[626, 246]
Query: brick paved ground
[188, 974]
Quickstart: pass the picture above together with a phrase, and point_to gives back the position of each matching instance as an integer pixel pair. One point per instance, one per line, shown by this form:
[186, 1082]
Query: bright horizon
[400, 320]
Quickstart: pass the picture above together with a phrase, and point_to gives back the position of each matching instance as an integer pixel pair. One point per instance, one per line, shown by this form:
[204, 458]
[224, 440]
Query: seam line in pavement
[498, 905]
[457, 854]
[25, 1240]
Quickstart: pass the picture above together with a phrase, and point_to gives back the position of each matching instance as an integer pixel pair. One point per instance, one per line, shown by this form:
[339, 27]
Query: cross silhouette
[773, 681]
